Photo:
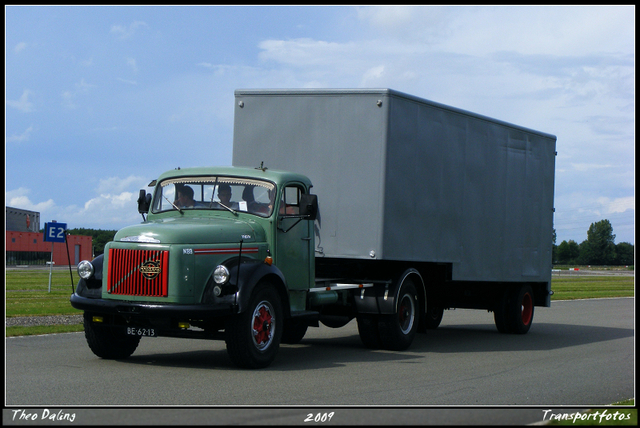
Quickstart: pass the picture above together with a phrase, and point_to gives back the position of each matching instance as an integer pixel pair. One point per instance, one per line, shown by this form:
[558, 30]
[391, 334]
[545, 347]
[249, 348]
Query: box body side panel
[407, 179]
[469, 191]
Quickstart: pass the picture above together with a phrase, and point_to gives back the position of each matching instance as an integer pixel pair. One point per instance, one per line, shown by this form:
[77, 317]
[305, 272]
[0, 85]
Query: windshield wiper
[174, 205]
[226, 207]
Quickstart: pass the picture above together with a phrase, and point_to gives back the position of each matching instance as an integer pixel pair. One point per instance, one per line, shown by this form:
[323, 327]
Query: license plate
[139, 331]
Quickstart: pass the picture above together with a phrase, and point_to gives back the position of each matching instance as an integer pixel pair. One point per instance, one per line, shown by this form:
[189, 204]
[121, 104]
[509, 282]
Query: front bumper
[152, 310]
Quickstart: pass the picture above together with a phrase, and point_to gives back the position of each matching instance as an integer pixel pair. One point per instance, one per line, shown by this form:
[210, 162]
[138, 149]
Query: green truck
[371, 205]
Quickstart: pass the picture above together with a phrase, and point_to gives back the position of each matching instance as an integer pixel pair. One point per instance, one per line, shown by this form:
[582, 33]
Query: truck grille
[138, 272]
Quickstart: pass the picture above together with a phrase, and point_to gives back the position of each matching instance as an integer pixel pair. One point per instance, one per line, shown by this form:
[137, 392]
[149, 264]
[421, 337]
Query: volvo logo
[150, 269]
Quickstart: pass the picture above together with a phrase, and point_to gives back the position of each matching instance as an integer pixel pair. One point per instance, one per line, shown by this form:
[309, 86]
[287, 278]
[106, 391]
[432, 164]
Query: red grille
[138, 272]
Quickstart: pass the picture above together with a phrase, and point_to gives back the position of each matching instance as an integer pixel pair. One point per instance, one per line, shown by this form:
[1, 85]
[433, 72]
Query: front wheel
[108, 342]
[253, 337]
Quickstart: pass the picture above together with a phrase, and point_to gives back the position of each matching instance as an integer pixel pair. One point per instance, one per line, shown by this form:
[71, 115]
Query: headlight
[85, 269]
[221, 275]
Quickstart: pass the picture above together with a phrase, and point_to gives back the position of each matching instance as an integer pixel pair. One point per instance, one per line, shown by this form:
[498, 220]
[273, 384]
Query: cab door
[294, 242]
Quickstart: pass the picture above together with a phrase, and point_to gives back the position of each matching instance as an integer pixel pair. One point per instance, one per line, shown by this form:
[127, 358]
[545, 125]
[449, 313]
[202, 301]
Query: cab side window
[290, 202]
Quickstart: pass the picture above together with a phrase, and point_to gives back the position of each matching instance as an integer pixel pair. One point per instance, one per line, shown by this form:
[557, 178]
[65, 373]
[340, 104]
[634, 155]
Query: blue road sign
[55, 232]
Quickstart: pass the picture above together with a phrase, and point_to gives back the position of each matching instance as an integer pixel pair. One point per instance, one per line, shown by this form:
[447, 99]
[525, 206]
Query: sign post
[54, 232]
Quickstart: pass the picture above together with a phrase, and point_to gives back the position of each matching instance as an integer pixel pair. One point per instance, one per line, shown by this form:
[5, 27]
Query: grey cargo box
[403, 178]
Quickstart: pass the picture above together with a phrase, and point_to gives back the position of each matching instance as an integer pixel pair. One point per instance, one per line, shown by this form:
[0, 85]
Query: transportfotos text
[597, 416]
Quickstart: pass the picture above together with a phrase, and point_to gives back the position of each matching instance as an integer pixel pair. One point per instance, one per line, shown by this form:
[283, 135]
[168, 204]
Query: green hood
[192, 231]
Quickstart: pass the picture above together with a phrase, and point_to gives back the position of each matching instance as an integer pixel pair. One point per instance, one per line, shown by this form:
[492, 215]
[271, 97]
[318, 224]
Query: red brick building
[26, 246]
[30, 248]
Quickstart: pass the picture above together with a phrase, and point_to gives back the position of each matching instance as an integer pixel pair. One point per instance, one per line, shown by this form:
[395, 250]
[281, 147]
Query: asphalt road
[578, 354]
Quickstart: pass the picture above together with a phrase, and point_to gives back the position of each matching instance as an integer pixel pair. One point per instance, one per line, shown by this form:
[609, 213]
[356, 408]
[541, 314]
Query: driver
[224, 194]
[185, 197]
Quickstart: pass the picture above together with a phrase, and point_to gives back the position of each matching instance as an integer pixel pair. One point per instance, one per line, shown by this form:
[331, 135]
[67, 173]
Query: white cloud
[589, 166]
[547, 30]
[14, 138]
[20, 47]
[618, 205]
[372, 75]
[113, 208]
[131, 62]
[19, 198]
[107, 203]
[478, 31]
[116, 185]
[107, 210]
[129, 82]
[305, 52]
[424, 24]
[69, 97]
[124, 32]
[23, 104]
[577, 210]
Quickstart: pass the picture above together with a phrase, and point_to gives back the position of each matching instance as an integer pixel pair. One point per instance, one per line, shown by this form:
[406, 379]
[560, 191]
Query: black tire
[522, 310]
[108, 342]
[433, 317]
[500, 314]
[515, 311]
[368, 330]
[294, 332]
[398, 330]
[253, 337]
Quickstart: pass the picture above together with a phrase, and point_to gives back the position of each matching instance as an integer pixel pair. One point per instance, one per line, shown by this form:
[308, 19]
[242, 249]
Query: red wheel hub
[262, 325]
[527, 309]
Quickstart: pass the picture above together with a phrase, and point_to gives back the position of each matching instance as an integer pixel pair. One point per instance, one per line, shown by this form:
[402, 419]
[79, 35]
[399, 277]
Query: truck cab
[212, 239]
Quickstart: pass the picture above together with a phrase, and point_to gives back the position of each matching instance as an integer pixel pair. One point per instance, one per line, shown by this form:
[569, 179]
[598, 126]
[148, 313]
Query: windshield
[215, 193]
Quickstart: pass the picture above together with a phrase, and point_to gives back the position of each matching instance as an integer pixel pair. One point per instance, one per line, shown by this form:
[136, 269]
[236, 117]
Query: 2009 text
[319, 417]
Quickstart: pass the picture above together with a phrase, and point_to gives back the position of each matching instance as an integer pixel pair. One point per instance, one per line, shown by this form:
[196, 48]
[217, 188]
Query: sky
[100, 100]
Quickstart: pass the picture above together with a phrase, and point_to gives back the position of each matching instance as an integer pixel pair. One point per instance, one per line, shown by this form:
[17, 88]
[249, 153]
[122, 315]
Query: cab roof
[276, 176]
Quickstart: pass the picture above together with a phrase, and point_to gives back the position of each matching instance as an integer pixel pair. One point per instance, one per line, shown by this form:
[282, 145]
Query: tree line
[100, 237]
[598, 249]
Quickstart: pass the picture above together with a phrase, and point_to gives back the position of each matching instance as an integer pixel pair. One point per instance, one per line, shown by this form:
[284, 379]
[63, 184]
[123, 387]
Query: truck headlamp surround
[221, 275]
[85, 269]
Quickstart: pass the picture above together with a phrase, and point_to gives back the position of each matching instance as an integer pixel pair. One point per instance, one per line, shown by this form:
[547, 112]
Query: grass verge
[43, 329]
[591, 287]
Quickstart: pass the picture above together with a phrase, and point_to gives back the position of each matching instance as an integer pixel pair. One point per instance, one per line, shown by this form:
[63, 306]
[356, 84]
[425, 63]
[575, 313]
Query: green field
[591, 287]
[27, 294]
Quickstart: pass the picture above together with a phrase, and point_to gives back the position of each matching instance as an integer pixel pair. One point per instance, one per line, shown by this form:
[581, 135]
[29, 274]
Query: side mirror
[144, 202]
[309, 206]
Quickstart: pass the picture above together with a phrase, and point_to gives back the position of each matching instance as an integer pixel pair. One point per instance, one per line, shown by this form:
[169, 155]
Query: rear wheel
[398, 330]
[433, 316]
[108, 342]
[514, 313]
[253, 337]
